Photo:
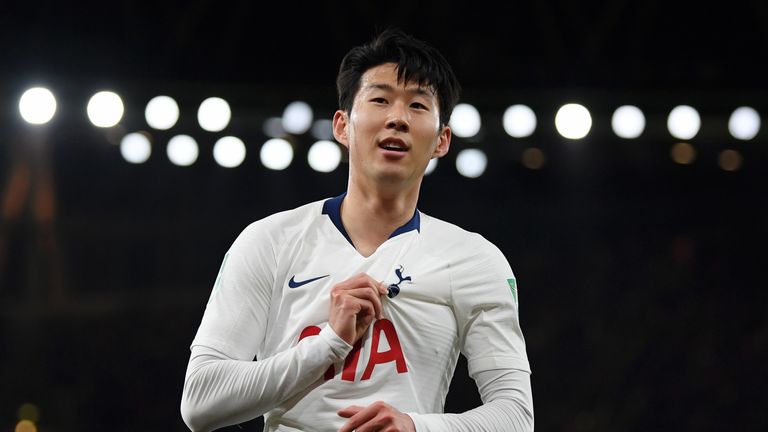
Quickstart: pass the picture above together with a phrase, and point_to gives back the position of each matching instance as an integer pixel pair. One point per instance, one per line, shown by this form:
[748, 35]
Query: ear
[340, 124]
[443, 142]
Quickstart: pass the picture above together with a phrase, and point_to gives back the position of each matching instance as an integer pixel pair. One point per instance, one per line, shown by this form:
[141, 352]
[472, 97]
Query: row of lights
[573, 121]
[325, 156]
[275, 154]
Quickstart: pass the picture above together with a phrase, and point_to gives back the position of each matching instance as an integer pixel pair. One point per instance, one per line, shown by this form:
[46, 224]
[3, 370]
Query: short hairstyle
[416, 62]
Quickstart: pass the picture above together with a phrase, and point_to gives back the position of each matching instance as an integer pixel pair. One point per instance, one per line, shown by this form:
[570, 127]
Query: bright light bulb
[276, 154]
[162, 112]
[182, 150]
[465, 121]
[683, 122]
[324, 156]
[744, 123]
[135, 148]
[214, 114]
[519, 121]
[628, 122]
[471, 163]
[297, 117]
[37, 105]
[229, 151]
[573, 121]
[105, 109]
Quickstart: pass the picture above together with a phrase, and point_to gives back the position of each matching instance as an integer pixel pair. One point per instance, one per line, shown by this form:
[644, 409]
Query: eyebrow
[387, 87]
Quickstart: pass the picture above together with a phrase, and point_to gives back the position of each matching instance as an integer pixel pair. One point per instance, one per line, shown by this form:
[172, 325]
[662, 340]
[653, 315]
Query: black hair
[416, 62]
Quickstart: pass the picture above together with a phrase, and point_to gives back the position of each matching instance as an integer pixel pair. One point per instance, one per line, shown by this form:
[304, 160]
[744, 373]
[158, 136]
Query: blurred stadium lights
[683, 122]
[628, 121]
[273, 127]
[573, 121]
[162, 112]
[322, 129]
[431, 166]
[37, 105]
[105, 109]
[517, 124]
[683, 153]
[471, 162]
[25, 426]
[135, 147]
[276, 154]
[519, 121]
[324, 156]
[182, 150]
[214, 114]
[729, 160]
[533, 158]
[297, 118]
[229, 151]
[465, 121]
[744, 123]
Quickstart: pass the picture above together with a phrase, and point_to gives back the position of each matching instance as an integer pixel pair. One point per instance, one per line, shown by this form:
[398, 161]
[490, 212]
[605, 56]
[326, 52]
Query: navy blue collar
[332, 207]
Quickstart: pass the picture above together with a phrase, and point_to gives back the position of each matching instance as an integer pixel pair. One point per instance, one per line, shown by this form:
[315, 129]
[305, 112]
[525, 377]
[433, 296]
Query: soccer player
[350, 313]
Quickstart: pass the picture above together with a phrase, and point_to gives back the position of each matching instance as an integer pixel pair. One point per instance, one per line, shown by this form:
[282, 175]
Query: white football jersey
[452, 291]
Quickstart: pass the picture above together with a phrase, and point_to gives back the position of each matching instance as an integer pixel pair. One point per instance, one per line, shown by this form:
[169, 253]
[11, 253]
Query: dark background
[641, 280]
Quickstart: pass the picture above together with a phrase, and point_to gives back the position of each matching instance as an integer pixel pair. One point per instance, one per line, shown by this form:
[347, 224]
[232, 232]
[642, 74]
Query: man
[355, 308]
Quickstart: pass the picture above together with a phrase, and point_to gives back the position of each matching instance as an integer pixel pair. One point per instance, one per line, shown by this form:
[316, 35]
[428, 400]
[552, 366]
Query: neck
[371, 215]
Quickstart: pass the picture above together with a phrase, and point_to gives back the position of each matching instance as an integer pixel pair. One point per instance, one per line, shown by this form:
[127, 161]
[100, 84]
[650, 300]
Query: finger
[349, 411]
[360, 418]
[361, 297]
[382, 288]
[361, 280]
[356, 281]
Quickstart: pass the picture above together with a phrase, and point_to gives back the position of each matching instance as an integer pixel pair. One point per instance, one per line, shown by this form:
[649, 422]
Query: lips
[393, 144]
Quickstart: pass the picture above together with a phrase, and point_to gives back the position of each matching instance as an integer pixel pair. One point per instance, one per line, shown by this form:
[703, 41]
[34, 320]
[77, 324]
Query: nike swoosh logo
[295, 284]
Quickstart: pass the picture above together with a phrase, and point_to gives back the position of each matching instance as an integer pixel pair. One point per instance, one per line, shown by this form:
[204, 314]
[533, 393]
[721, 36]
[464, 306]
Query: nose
[398, 118]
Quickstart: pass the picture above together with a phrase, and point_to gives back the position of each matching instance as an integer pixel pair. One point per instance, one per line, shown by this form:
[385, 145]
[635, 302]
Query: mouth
[393, 144]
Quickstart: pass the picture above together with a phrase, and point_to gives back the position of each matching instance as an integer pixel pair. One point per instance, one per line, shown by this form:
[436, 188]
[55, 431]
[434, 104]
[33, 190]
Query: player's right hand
[355, 303]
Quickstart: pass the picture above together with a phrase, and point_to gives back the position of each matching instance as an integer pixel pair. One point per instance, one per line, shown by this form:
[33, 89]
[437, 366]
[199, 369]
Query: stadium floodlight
[229, 151]
[105, 109]
[322, 129]
[744, 123]
[276, 154]
[37, 105]
[573, 121]
[273, 127]
[683, 122]
[471, 162]
[324, 156]
[465, 121]
[297, 117]
[135, 147]
[162, 112]
[519, 121]
[214, 114]
[431, 166]
[628, 121]
[729, 160]
[182, 150]
[683, 153]
[533, 158]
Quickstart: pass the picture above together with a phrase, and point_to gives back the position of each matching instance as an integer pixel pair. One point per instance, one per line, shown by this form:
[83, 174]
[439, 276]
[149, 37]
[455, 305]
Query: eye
[419, 105]
[379, 100]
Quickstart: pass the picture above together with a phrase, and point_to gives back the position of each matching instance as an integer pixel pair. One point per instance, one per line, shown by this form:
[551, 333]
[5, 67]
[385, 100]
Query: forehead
[385, 77]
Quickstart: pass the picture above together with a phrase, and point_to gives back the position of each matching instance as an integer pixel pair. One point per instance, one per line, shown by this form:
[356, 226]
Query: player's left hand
[376, 417]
